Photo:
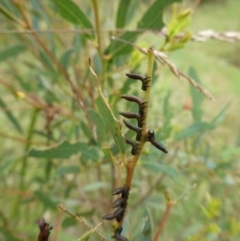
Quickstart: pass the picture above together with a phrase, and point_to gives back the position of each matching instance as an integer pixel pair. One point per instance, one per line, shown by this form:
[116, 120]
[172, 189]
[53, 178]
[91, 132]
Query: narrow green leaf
[139, 229]
[122, 13]
[220, 116]
[192, 130]
[72, 13]
[8, 235]
[62, 151]
[146, 234]
[45, 199]
[98, 121]
[62, 170]
[65, 59]
[11, 117]
[152, 19]
[9, 14]
[46, 60]
[106, 112]
[161, 168]
[12, 52]
[111, 124]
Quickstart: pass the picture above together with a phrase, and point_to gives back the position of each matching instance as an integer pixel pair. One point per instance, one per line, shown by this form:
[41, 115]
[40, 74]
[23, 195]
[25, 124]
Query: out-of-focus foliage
[56, 147]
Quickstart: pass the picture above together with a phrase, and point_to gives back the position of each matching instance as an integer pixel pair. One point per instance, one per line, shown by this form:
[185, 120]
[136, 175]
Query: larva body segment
[119, 190]
[118, 202]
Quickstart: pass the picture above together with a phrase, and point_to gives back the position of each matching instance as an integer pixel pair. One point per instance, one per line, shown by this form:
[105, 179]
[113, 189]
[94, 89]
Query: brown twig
[170, 203]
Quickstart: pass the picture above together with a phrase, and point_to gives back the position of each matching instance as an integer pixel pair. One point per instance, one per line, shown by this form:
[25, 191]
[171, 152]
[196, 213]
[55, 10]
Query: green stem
[29, 137]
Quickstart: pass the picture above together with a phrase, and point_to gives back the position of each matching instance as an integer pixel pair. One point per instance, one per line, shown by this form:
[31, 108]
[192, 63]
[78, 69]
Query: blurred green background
[39, 110]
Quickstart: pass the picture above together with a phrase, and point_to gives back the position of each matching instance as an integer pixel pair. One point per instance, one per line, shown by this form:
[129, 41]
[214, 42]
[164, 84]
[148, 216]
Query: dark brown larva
[151, 139]
[133, 98]
[119, 190]
[118, 236]
[110, 216]
[132, 127]
[118, 202]
[130, 115]
[145, 79]
[134, 146]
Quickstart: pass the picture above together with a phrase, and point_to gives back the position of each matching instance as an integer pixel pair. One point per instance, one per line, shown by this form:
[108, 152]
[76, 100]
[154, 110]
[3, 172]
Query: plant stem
[170, 203]
[29, 137]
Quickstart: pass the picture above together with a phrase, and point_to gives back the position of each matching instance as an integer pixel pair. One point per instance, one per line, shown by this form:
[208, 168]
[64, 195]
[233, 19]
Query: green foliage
[62, 140]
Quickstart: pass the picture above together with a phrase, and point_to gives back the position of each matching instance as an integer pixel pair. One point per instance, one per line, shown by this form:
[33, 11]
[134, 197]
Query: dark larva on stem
[119, 212]
[119, 190]
[132, 127]
[125, 193]
[118, 202]
[110, 216]
[133, 144]
[130, 115]
[118, 236]
[133, 98]
[145, 79]
[151, 139]
[159, 146]
[136, 76]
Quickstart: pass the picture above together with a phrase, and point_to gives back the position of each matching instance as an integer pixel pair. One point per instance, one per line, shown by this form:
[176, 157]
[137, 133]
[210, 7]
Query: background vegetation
[47, 101]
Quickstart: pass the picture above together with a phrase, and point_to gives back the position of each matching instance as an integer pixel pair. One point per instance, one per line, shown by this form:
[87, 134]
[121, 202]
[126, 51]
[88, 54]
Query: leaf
[65, 59]
[62, 151]
[100, 125]
[8, 235]
[122, 13]
[92, 187]
[11, 117]
[46, 60]
[220, 116]
[192, 130]
[43, 197]
[62, 170]
[72, 13]
[12, 52]
[161, 168]
[146, 234]
[197, 97]
[152, 19]
[110, 120]
[139, 229]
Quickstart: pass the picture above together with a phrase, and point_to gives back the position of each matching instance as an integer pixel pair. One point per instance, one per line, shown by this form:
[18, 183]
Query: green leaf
[106, 112]
[47, 61]
[62, 151]
[220, 116]
[65, 59]
[47, 201]
[98, 121]
[197, 97]
[8, 235]
[146, 234]
[152, 19]
[122, 13]
[139, 229]
[11, 117]
[12, 52]
[62, 170]
[92, 187]
[72, 13]
[161, 168]
[111, 123]
[192, 130]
